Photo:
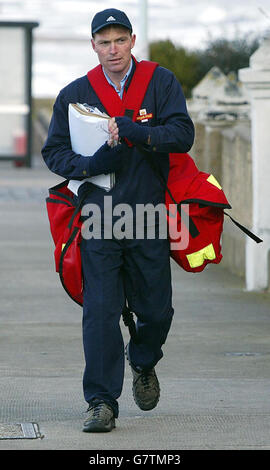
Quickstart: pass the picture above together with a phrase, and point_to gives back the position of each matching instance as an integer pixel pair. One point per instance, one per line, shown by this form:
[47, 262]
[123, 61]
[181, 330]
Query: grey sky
[184, 21]
[187, 22]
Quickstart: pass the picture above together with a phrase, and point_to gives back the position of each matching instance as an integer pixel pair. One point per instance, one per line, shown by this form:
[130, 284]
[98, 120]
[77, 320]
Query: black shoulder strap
[245, 230]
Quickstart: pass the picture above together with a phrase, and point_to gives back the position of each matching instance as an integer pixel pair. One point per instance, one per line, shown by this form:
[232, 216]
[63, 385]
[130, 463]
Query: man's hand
[106, 160]
[134, 132]
[114, 133]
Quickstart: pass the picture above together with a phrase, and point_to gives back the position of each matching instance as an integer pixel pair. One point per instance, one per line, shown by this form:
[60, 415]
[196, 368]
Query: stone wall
[224, 149]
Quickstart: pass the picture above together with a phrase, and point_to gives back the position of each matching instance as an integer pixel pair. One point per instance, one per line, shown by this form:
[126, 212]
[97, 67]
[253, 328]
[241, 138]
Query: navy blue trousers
[116, 271]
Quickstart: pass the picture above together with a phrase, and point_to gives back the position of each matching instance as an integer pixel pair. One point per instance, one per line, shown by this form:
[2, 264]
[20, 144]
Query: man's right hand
[114, 132]
[106, 160]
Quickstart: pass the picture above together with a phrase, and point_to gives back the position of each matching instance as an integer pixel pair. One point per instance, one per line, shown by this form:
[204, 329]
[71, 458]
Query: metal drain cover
[19, 431]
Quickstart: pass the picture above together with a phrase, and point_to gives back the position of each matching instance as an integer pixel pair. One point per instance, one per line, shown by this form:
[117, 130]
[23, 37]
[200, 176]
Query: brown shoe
[145, 388]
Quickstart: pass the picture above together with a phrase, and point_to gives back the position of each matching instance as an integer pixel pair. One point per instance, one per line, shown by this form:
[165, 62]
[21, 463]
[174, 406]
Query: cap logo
[111, 18]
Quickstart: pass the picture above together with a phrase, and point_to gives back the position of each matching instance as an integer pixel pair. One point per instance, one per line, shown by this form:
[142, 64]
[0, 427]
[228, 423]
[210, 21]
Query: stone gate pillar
[256, 79]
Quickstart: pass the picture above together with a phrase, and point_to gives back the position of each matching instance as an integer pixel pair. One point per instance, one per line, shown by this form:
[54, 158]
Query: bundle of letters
[88, 128]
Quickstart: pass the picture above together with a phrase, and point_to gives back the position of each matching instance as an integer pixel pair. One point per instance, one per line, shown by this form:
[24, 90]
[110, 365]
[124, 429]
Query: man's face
[113, 46]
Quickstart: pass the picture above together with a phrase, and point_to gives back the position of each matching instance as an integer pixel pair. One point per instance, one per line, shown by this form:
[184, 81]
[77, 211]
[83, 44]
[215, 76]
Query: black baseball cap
[108, 17]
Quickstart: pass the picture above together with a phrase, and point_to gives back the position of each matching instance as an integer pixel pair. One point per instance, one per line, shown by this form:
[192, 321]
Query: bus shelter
[15, 91]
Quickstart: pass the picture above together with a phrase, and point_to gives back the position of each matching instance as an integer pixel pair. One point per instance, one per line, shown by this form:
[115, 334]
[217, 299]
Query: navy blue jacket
[135, 182]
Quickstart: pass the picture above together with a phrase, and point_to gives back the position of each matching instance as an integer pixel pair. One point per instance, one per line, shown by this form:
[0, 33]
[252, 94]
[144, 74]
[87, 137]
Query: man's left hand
[134, 132]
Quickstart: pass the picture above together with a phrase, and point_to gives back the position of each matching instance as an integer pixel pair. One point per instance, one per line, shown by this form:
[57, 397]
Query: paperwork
[88, 128]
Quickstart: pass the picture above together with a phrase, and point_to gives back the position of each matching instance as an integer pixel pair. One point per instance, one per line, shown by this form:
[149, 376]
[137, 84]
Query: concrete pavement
[214, 376]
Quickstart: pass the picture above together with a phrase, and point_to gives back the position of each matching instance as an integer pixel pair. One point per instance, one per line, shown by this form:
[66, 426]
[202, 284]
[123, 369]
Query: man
[119, 270]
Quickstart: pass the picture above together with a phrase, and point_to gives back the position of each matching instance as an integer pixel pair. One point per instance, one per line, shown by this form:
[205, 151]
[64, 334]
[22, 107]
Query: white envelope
[88, 131]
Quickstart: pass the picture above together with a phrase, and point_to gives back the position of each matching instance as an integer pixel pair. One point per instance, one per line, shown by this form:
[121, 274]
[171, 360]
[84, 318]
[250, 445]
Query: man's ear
[93, 44]
[133, 40]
